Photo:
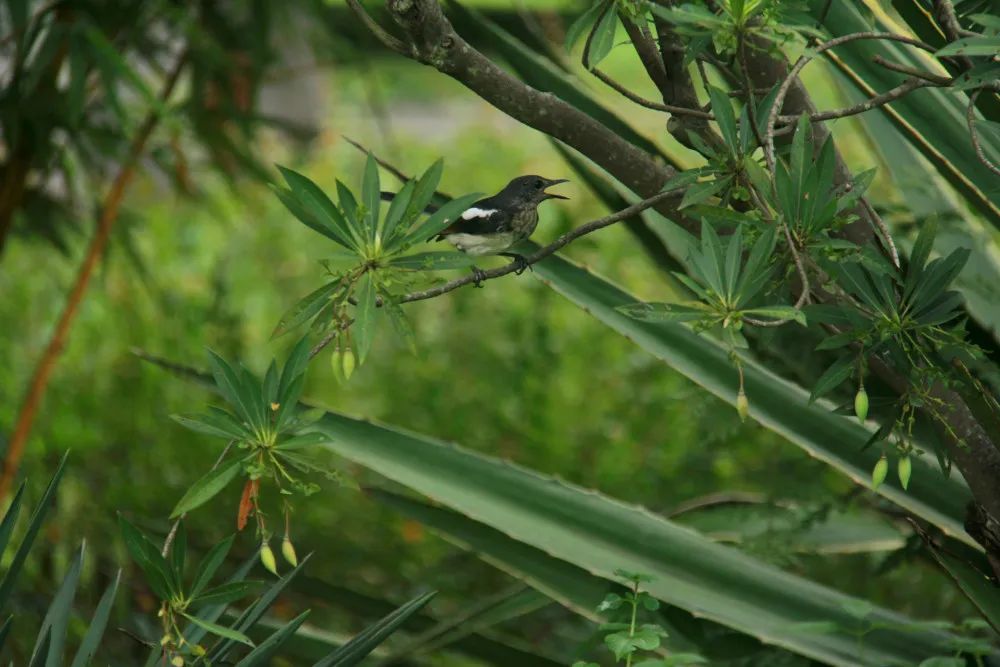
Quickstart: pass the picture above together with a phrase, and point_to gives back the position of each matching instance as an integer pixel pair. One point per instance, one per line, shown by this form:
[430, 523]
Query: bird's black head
[531, 189]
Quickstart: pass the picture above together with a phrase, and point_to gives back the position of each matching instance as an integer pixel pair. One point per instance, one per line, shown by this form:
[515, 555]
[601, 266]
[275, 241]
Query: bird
[494, 225]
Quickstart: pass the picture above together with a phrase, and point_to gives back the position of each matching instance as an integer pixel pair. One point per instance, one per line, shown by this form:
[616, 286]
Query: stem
[631, 625]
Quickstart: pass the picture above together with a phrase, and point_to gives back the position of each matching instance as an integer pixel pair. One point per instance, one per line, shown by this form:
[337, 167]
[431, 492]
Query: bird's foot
[520, 261]
[478, 276]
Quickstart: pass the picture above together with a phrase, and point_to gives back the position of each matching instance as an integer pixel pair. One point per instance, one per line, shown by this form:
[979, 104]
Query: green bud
[288, 551]
[349, 363]
[904, 468]
[177, 661]
[267, 559]
[879, 471]
[742, 405]
[861, 404]
[166, 639]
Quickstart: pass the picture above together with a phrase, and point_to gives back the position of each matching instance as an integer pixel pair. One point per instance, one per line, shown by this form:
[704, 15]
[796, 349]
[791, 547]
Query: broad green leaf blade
[397, 210]
[194, 633]
[603, 535]
[354, 651]
[325, 217]
[569, 585]
[312, 216]
[582, 25]
[92, 640]
[206, 488]
[266, 648]
[982, 592]
[364, 316]
[28, 539]
[219, 630]
[775, 403]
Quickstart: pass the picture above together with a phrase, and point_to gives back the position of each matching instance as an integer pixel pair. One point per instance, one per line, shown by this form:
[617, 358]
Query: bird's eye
[539, 185]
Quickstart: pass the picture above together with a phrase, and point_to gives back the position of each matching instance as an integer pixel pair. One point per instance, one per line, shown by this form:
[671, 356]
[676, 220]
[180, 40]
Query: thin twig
[936, 79]
[330, 335]
[803, 278]
[879, 100]
[391, 42]
[970, 119]
[544, 252]
[886, 236]
[649, 104]
[109, 214]
[779, 99]
[382, 163]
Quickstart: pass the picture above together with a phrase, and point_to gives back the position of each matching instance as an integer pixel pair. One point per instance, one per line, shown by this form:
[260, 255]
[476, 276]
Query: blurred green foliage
[512, 370]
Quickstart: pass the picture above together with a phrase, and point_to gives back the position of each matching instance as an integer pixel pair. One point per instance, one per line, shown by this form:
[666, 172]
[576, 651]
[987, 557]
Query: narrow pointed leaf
[206, 488]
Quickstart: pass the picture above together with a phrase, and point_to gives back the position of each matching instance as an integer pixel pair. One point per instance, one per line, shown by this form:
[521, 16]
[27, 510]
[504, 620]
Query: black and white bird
[494, 225]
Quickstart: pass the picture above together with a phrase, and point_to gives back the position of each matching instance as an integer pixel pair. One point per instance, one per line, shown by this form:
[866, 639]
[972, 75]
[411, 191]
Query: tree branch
[109, 214]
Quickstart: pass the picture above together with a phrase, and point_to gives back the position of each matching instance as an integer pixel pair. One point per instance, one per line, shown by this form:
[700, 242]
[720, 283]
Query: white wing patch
[471, 213]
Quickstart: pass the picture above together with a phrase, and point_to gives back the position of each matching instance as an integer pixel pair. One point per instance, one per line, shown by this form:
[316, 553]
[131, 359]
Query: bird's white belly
[481, 244]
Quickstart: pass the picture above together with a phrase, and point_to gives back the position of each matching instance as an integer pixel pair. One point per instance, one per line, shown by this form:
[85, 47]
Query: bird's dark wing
[483, 217]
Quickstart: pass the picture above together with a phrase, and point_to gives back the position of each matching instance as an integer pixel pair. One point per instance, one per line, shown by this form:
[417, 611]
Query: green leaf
[9, 519]
[10, 577]
[354, 651]
[210, 564]
[219, 630]
[98, 623]
[582, 25]
[52, 633]
[315, 209]
[371, 195]
[306, 308]
[424, 191]
[301, 442]
[432, 261]
[971, 46]
[604, 37]
[178, 552]
[832, 377]
[722, 109]
[397, 210]
[701, 191]
[226, 593]
[687, 311]
[364, 316]
[149, 559]
[604, 535]
[212, 424]
[262, 654]
[234, 390]
[206, 488]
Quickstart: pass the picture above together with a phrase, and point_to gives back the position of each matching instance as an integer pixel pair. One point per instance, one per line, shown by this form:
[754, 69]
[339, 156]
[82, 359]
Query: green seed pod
[904, 468]
[267, 558]
[177, 661]
[288, 551]
[337, 364]
[861, 404]
[742, 405]
[879, 471]
[349, 363]
[166, 639]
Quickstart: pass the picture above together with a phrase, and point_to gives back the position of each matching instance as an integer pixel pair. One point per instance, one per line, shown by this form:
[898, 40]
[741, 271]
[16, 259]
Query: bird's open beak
[549, 184]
